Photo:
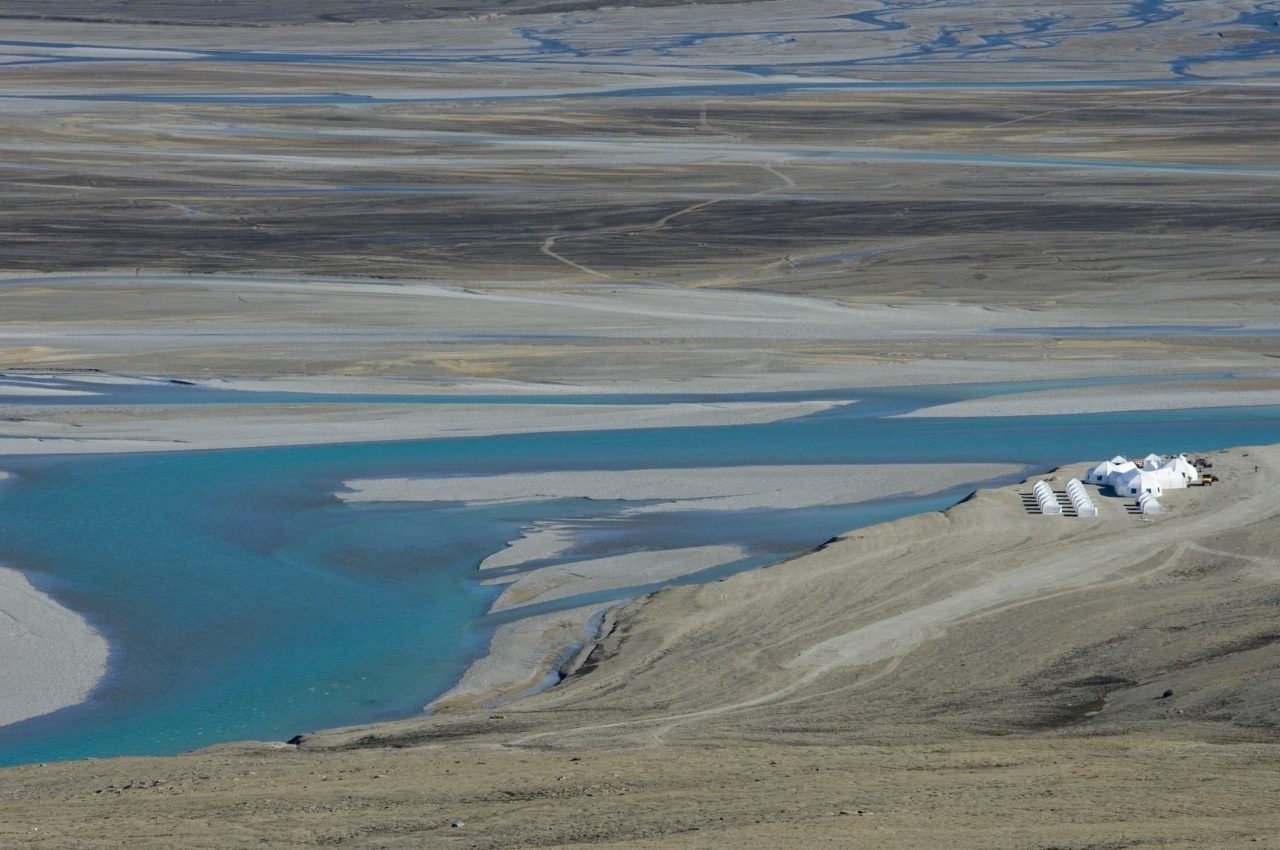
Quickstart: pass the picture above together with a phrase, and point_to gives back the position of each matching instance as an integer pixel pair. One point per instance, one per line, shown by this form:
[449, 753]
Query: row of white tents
[1155, 475]
[1080, 499]
[1050, 506]
[1046, 499]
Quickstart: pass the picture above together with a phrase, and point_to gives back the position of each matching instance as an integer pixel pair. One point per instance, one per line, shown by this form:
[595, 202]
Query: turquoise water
[242, 600]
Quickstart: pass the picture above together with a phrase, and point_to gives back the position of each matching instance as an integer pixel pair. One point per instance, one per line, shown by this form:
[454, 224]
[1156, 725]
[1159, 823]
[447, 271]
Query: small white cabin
[1100, 474]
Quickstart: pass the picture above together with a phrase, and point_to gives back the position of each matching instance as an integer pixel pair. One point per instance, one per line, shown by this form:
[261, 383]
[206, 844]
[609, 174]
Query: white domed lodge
[1145, 480]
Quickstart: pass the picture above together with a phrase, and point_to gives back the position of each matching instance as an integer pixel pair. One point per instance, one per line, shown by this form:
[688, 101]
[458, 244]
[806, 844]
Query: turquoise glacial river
[242, 600]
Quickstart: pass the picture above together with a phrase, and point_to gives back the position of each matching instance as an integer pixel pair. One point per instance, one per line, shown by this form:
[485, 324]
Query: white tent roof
[1178, 473]
[1138, 481]
[1122, 476]
[1102, 470]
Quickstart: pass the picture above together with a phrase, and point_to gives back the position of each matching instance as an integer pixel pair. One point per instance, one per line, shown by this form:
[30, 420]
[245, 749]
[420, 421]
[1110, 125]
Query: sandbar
[189, 427]
[540, 539]
[50, 657]
[28, 390]
[1107, 399]
[706, 488]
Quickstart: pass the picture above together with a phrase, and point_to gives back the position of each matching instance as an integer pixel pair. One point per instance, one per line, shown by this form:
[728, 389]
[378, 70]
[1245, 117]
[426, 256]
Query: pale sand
[729, 488]
[370, 385]
[1104, 399]
[50, 657]
[189, 427]
[541, 539]
[618, 571]
[522, 656]
[20, 51]
[107, 378]
[29, 390]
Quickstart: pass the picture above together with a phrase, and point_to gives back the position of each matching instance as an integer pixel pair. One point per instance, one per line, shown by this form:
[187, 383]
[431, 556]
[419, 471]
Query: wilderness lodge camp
[1152, 477]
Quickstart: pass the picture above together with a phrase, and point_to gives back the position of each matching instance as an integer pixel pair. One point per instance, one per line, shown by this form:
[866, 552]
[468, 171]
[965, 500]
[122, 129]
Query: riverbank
[983, 676]
[1174, 395]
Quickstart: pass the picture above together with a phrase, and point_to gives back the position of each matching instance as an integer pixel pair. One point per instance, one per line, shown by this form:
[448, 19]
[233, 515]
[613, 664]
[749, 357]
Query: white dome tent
[1106, 472]
[1145, 481]
[1179, 472]
[1137, 482]
[1100, 474]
